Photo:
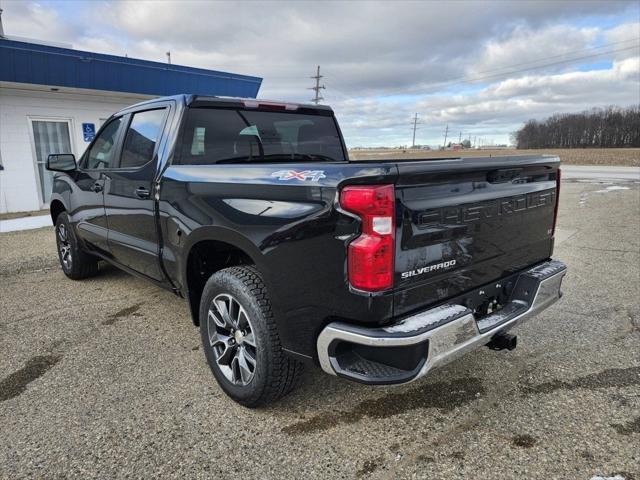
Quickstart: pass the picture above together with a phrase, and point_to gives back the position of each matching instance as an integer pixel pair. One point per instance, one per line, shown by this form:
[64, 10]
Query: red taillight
[370, 256]
[555, 209]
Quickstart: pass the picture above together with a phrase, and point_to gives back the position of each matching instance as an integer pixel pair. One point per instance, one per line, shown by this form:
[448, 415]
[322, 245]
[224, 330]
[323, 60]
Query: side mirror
[61, 162]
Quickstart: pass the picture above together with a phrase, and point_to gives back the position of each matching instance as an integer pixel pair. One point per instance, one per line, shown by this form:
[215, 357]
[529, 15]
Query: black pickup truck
[290, 253]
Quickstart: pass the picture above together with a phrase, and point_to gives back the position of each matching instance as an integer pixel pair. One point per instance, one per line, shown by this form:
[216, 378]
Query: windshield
[213, 136]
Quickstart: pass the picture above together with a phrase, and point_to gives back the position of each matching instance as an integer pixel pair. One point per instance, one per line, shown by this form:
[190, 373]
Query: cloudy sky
[483, 68]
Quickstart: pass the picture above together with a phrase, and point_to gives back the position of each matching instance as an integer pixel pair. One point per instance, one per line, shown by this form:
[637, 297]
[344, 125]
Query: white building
[54, 99]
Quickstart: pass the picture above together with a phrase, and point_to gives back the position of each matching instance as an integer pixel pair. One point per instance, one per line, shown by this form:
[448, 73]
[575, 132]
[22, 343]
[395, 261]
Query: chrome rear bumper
[436, 336]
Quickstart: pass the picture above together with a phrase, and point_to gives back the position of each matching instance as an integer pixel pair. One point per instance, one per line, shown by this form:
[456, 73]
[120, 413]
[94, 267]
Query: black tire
[76, 263]
[274, 373]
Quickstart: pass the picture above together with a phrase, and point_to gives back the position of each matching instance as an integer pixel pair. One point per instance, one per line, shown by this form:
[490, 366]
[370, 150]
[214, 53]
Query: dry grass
[570, 156]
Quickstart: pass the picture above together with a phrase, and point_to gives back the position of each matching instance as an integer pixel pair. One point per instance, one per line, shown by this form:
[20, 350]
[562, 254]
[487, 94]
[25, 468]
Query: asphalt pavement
[105, 378]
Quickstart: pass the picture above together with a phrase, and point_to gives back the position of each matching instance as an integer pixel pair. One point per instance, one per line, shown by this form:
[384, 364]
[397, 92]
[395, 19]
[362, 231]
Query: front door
[49, 136]
[128, 199]
[88, 212]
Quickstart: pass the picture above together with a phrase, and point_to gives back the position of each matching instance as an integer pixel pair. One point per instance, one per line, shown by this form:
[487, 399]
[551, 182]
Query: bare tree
[611, 127]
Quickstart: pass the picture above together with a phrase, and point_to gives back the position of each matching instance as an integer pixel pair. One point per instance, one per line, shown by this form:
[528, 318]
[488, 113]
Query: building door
[49, 136]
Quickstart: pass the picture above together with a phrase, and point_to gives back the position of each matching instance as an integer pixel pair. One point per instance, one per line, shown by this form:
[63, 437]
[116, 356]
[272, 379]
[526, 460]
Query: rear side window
[142, 136]
[213, 136]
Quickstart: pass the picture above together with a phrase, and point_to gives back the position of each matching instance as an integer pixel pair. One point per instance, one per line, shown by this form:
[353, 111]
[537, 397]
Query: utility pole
[460, 138]
[318, 87]
[169, 58]
[415, 124]
[446, 131]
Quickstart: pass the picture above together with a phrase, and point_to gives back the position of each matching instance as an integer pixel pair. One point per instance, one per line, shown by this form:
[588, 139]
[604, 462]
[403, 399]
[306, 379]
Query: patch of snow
[424, 319]
[546, 269]
[616, 477]
[613, 188]
[583, 199]
[498, 317]
[25, 223]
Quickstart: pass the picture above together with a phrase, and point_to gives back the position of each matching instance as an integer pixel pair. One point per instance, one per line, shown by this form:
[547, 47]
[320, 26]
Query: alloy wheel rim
[64, 246]
[232, 339]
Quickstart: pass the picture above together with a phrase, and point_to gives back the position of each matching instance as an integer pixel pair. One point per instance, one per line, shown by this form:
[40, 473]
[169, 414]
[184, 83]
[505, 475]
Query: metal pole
[415, 123]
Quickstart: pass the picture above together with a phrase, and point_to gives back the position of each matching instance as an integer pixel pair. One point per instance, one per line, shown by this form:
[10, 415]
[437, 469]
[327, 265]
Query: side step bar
[409, 349]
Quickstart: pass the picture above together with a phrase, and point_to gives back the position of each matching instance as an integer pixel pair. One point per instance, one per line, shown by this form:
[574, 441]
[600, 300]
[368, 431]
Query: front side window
[142, 136]
[213, 136]
[102, 151]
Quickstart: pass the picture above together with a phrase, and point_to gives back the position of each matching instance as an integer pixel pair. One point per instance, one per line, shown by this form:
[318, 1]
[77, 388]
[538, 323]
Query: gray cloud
[383, 61]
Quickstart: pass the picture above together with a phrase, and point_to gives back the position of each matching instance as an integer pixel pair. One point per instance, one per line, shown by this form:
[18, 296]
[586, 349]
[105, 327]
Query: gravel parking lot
[105, 378]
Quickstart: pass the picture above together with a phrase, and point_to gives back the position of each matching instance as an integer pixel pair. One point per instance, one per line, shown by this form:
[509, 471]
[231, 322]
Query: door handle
[96, 187]
[142, 192]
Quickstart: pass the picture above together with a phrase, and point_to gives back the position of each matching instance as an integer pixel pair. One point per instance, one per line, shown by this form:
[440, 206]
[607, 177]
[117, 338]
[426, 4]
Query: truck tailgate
[462, 223]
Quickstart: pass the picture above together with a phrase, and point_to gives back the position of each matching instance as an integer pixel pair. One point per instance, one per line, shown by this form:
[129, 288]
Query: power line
[456, 81]
[318, 87]
[582, 50]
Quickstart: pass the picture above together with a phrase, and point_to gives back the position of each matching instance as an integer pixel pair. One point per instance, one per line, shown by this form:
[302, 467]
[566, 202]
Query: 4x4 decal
[311, 175]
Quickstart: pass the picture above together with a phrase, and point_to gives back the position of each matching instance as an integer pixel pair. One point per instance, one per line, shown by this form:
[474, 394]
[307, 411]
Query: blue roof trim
[32, 63]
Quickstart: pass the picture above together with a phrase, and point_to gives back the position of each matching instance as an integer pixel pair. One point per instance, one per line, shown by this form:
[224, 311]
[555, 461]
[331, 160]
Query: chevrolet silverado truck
[290, 253]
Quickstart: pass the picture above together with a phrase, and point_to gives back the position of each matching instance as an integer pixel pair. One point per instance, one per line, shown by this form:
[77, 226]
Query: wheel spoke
[62, 233]
[245, 370]
[234, 312]
[236, 376]
[243, 320]
[211, 316]
[249, 339]
[223, 310]
[249, 357]
[225, 352]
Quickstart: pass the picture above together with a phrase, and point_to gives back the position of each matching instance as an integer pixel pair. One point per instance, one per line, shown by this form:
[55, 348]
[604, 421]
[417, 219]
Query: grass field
[601, 156]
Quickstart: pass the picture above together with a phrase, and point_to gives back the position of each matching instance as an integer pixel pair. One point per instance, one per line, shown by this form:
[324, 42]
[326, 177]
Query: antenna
[169, 58]
[318, 87]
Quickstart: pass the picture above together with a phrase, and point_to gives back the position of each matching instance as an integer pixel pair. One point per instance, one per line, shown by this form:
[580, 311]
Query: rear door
[129, 190]
[466, 222]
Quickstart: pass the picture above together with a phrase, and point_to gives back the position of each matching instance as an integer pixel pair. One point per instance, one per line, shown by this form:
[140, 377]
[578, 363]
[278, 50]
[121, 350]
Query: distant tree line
[611, 127]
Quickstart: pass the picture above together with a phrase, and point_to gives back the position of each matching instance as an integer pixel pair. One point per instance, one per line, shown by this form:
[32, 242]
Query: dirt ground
[105, 378]
[595, 156]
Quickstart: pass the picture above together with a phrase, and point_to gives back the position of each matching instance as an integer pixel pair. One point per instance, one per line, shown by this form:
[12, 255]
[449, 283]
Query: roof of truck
[241, 102]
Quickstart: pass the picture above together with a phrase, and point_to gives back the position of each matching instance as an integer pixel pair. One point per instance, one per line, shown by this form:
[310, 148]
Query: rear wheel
[240, 340]
[75, 263]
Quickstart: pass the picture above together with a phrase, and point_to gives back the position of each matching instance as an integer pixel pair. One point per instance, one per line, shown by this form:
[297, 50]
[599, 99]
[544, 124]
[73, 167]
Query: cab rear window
[212, 136]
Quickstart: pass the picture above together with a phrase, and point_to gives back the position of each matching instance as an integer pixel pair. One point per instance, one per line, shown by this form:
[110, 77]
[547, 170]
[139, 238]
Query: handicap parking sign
[88, 131]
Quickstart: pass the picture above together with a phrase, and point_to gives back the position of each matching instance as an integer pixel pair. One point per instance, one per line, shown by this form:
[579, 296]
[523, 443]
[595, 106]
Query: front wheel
[240, 340]
[76, 263]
